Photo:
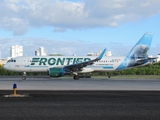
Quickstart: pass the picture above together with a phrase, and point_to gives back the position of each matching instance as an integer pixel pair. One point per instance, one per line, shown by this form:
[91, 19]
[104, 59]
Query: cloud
[81, 48]
[20, 15]
[30, 45]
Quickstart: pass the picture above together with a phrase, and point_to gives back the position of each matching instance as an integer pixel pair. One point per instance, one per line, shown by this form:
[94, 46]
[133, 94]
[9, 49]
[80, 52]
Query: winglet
[101, 55]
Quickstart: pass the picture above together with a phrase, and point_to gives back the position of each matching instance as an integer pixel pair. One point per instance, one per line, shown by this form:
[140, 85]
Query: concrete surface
[46, 83]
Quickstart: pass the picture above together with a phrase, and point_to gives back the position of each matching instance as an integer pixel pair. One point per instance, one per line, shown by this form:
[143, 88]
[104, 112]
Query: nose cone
[5, 66]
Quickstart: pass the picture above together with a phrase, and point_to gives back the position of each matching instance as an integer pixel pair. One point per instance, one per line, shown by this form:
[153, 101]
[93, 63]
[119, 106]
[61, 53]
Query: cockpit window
[8, 61]
[11, 60]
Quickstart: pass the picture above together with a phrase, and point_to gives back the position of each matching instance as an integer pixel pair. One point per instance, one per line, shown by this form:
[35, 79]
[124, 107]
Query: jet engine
[56, 72]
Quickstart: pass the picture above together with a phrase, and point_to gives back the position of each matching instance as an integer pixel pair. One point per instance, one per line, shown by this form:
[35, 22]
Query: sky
[78, 26]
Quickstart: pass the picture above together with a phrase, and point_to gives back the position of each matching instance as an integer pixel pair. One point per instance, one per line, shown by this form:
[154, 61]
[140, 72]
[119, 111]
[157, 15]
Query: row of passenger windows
[72, 61]
[108, 61]
[98, 61]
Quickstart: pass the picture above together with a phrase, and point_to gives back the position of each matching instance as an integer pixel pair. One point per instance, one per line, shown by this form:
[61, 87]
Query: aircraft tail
[142, 46]
[138, 54]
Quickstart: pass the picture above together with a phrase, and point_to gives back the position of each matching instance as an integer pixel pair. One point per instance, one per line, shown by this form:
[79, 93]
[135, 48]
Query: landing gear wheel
[109, 76]
[76, 77]
[23, 77]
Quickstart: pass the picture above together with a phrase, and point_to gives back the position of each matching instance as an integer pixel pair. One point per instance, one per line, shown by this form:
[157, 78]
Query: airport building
[3, 61]
[90, 54]
[16, 51]
[109, 53]
[41, 52]
[158, 58]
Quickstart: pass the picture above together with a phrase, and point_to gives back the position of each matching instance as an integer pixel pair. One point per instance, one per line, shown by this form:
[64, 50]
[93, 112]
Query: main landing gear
[76, 77]
[24, 76]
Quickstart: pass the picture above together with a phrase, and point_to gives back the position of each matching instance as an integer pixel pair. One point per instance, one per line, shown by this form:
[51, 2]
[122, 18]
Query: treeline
[151, 69]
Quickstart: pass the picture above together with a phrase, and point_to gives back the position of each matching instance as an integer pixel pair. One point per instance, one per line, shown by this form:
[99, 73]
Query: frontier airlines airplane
[58, 66]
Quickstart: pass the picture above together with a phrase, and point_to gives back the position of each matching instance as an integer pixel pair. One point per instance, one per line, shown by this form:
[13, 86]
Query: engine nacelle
[56, 72]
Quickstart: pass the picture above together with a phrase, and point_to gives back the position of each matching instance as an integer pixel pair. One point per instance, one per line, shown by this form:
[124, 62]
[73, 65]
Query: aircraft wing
[79, 66]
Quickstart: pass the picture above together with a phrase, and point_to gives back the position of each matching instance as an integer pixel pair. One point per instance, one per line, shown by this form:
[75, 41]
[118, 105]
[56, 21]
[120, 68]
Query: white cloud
[65, 47]
[19, 15]
[52, 46]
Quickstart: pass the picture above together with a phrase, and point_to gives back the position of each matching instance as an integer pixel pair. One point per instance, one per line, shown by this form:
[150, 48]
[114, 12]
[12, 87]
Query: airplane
[58, 66]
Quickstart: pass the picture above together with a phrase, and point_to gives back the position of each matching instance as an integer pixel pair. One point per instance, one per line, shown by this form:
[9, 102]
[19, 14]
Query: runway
[84, 99]
[47, 83]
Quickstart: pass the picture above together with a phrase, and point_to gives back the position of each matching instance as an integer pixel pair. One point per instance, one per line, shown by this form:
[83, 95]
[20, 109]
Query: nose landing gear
[24, 76]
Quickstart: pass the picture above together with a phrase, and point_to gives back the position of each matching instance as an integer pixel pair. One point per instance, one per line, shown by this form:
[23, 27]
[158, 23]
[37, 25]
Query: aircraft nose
[5, 66]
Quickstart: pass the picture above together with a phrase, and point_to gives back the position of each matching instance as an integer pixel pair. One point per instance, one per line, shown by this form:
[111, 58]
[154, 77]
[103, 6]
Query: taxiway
[47, 83]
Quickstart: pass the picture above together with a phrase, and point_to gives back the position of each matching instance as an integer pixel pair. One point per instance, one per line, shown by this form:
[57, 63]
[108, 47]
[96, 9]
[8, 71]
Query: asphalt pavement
[81, 105]
[47, 83]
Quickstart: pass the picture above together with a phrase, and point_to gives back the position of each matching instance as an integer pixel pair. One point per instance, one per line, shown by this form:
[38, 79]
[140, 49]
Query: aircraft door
[18, 61]
[25, 63]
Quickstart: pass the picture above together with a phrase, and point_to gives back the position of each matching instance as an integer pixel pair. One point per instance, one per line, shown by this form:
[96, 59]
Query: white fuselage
[43, 63]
